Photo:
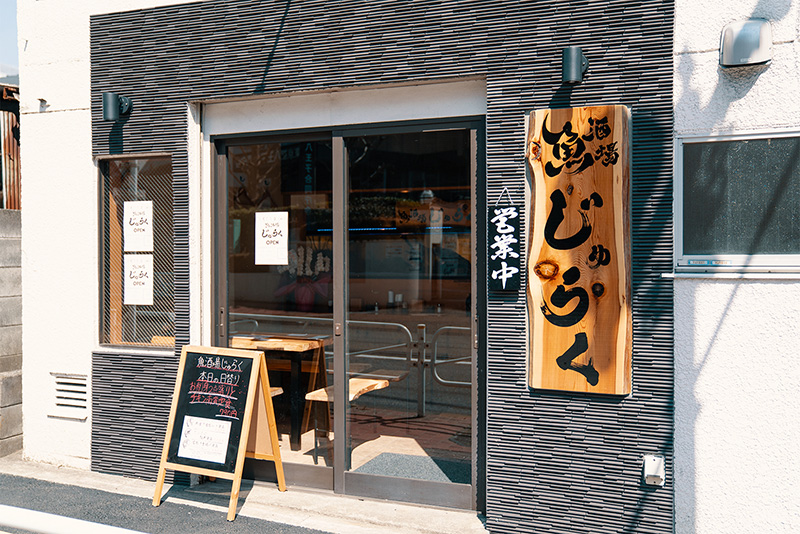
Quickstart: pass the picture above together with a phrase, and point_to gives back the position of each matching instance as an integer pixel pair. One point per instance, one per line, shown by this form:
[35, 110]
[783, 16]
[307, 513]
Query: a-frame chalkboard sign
[217, 390]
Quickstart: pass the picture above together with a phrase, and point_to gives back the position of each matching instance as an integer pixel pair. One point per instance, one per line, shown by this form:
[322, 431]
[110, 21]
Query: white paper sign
[272, 238]
[204, 439]
[138, 226]
[138, 279]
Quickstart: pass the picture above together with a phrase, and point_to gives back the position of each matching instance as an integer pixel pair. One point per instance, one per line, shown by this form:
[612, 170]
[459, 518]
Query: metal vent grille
[123, 181]
[70, 396]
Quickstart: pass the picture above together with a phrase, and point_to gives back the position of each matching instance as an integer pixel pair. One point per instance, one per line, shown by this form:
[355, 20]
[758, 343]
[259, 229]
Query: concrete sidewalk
[294, 511]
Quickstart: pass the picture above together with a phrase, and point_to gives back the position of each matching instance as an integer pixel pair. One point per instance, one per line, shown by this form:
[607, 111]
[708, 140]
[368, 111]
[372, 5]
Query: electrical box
[654, 470]
[746, 43]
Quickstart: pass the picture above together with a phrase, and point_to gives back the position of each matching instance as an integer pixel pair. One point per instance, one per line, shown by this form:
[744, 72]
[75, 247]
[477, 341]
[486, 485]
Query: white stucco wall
[736, 388]
[709, 99]
[59, 219]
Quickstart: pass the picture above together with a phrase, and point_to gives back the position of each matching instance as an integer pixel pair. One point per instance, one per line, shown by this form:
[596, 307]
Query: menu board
[210, 411]
[217, 390]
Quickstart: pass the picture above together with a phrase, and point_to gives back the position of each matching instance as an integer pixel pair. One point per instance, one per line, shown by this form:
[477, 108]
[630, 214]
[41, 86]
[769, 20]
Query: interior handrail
[434, 363]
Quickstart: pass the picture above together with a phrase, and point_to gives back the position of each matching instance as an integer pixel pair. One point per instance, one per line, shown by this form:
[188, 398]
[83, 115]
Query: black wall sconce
[115, 105]
[573, 65]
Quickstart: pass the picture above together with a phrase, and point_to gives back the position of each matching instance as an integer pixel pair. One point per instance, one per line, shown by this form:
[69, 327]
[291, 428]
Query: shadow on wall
[261, 88]
[645, 287]
[647, 259]
[116, 144]
[732, 85]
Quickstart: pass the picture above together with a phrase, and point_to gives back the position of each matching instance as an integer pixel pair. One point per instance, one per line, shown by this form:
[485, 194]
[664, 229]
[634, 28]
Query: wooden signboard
[211, 420]
[579, 262]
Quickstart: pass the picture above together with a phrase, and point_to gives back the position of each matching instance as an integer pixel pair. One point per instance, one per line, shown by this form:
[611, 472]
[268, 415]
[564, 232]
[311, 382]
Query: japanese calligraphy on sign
[411, 214]
[138, 279]
[504, 248]
[579, 281]
[138, 226]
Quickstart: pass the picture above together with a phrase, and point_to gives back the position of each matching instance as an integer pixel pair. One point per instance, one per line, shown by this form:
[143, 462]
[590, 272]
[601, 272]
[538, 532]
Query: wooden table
[295, 349]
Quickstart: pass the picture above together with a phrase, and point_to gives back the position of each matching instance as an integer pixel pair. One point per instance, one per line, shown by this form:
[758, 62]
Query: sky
[8, 35]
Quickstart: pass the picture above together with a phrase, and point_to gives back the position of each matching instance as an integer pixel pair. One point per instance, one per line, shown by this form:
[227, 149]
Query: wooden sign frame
[255, 385]
[579, 249]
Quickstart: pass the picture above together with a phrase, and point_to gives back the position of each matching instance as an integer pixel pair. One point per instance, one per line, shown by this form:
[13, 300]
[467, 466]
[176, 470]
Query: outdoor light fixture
[745, 43]
[115, 105]
[573, 64]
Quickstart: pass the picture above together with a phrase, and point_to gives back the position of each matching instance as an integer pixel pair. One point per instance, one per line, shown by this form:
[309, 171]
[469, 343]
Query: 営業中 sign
[504, 248]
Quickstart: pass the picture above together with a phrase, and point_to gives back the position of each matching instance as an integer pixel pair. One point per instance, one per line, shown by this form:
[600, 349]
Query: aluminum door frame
[338, 478]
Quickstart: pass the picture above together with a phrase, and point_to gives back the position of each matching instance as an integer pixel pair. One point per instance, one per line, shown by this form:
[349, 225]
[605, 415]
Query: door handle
[221, 327]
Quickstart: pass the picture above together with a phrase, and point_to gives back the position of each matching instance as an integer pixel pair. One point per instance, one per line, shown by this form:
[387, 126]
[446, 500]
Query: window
[738, 202]
[136, 252]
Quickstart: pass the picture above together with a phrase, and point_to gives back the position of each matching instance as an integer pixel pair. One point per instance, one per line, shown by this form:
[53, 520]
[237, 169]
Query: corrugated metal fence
[10, 169]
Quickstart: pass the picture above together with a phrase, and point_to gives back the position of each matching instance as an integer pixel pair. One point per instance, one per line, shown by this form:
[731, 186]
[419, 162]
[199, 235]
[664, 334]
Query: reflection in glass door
[410, 305]
[282, 303]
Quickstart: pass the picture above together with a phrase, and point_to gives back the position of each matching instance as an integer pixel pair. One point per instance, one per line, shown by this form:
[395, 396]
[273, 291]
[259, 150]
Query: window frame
[702, 263]
[101, 333]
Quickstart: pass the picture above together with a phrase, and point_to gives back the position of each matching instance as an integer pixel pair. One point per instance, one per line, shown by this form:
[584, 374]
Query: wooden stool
[356, 388]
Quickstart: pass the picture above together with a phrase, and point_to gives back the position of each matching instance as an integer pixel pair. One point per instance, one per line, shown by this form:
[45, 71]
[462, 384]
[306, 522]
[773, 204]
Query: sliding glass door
[275, 277]
[409, 283]
[355, 248]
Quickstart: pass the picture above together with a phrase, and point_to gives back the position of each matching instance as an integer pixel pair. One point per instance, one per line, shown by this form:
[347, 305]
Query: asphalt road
[124, 511]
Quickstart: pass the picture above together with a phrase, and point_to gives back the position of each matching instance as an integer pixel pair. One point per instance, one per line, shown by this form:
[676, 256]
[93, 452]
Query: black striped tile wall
[555, 463]
[129, 419]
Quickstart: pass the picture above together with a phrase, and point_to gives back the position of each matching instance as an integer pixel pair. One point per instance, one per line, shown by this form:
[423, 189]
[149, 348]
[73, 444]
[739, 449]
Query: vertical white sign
[138, 279]
[272, 238]
[204, 439]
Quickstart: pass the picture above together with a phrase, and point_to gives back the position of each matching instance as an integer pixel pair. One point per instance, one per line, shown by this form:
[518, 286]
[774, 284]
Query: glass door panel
[410, 305]
[283, 303]
[398, 331]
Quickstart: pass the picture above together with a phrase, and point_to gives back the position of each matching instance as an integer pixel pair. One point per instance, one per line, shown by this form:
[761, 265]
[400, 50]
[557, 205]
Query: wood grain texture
[115, 274]
[288, 344]
[579, 281]
[356, 388]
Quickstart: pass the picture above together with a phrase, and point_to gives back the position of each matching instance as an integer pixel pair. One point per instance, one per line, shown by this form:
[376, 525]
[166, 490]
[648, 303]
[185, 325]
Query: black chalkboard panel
[211, 415]
[212, 400]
